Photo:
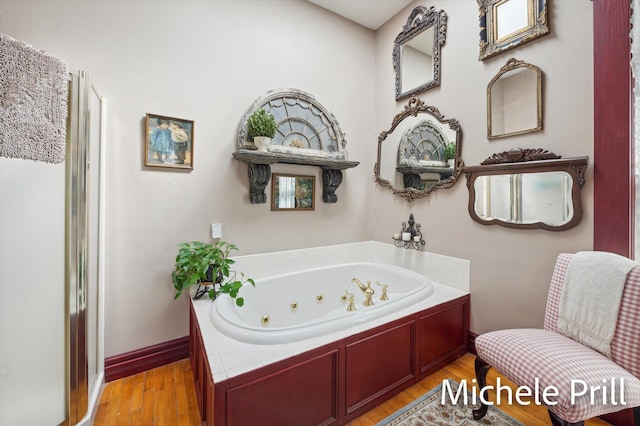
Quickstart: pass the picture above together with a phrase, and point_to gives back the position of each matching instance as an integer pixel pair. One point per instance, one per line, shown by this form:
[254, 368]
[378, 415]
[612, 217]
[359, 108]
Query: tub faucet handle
[352, 305]
[384, 295]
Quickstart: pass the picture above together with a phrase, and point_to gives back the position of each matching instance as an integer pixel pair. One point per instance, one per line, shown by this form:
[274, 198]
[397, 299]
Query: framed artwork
[292, 192]
[169, 142]
[425, 184]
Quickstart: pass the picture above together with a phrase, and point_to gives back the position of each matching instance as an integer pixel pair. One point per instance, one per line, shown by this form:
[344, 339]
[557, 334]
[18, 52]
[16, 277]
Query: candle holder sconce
[410, 236]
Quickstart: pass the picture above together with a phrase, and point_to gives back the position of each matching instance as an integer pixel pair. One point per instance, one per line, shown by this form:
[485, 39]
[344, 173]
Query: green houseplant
[199, 263]
[261, 127]
[449, 152]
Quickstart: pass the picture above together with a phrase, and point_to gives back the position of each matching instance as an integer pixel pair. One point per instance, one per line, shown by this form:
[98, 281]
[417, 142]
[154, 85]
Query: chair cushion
[524, 355]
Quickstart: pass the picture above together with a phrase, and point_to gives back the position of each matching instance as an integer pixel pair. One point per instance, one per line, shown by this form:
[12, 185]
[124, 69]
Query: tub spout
[367, 290]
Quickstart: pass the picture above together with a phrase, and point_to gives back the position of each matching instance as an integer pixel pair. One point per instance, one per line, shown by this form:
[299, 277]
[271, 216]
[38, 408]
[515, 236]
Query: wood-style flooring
[166, 396]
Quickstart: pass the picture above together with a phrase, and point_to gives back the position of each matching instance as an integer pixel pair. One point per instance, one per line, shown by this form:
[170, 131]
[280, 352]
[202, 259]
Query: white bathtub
[301, 305]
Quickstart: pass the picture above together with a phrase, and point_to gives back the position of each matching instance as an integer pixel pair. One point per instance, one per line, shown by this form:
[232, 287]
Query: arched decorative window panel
[306, 133]
[304, 126]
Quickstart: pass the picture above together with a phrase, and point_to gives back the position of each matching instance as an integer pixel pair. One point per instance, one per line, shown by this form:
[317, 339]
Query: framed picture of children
[169, 142]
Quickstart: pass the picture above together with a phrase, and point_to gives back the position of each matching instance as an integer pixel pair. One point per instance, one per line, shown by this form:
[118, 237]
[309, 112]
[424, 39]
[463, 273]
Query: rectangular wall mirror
[292, 192]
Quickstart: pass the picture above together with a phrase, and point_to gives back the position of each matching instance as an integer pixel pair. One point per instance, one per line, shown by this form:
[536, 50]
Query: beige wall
[208, 61]
[510, 269]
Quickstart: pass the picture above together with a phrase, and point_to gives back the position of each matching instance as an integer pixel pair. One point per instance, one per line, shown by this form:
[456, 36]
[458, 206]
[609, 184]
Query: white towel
[590, 298]
[33, 102]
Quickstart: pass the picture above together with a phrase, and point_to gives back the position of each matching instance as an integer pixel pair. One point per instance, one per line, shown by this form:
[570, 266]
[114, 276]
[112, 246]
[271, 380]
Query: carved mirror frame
[518, 161]
[419, 21]
[513, 65]
[412, 109]
[491, 44]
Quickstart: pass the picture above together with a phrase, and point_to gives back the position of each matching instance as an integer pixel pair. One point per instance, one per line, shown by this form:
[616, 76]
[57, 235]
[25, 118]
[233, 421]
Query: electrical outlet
[216, 230]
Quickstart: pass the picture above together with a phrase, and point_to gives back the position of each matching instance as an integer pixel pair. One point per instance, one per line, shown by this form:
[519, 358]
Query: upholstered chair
[550, 359]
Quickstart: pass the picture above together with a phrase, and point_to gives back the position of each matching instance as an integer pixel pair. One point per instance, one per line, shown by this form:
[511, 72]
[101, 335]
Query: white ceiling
[368, 13]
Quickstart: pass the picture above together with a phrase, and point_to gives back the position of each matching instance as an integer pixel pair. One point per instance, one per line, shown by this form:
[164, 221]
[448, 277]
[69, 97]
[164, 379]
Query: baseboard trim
[471, 345]
[139, 360]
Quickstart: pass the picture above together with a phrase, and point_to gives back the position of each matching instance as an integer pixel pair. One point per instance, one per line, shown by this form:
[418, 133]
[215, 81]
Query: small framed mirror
[292, 192]
[416, 51]
[514, 100]
[527, 189]
[506, 24]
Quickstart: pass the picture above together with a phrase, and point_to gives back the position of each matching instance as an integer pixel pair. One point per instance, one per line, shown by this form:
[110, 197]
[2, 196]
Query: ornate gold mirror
[527, 189]
[416, 52]
[514, 100]
[413, 153]
[505, 24]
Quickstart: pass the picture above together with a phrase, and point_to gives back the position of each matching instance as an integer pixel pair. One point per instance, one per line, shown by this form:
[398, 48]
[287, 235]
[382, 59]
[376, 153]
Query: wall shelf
[259, 163]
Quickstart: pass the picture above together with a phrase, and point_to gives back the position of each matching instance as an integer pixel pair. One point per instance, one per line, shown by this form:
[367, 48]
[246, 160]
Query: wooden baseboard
[143, 359]
[472, 343]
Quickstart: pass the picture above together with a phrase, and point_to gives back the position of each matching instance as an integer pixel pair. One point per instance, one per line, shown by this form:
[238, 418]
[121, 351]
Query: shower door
[85, 247]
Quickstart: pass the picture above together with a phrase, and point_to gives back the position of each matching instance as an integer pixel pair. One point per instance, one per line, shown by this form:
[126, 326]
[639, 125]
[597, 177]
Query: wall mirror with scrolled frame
[411, 158]
[514, 100]
[527, 189]
[506, 24]
[416, 51]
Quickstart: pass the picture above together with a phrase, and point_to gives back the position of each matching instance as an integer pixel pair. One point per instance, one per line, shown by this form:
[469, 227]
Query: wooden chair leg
[557, 421]
[482, 368]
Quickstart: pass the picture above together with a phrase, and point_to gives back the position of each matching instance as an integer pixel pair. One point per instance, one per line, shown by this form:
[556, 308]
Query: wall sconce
[409, 236]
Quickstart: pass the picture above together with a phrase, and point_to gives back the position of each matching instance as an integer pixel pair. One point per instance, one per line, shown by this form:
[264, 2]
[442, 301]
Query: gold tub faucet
[367, 290]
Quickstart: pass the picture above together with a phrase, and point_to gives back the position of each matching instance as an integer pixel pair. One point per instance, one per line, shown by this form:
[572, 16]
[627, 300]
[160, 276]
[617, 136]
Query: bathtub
[301, 305]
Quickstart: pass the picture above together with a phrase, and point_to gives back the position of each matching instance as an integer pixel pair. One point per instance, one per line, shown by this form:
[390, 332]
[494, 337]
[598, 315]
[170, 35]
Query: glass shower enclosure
[85, 247]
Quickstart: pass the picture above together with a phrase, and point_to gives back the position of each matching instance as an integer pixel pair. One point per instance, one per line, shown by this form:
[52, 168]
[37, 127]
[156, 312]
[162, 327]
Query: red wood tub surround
[337, 382]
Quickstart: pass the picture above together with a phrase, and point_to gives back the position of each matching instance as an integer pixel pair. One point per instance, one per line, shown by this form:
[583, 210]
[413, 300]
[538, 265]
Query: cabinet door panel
[379, 363]
[305, 393]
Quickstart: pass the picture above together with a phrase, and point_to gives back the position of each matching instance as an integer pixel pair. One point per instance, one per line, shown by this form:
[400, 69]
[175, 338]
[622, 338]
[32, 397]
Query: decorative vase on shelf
[262, 142]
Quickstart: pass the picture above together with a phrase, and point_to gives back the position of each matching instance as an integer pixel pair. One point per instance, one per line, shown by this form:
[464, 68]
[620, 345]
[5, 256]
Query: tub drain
[265, 320]
[319, 298]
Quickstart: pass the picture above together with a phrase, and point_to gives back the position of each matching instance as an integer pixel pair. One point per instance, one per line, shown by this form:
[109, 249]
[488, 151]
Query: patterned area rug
[428, 411]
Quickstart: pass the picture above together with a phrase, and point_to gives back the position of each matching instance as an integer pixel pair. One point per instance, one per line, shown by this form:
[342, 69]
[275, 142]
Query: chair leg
[557, 421]
[482, 368]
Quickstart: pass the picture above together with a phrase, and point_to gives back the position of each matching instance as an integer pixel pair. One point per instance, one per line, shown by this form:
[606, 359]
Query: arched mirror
[505, 24]
[527, 189]
[416, 51]
[514, 100]
[413, 153]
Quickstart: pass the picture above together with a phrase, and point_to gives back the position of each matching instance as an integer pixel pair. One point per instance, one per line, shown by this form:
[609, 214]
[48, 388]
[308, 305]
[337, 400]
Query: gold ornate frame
[491, 45]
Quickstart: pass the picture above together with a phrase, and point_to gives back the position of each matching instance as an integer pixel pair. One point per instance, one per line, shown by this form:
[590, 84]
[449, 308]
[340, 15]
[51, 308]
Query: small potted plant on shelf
[207, 265]
[449, 154]
[261, 126]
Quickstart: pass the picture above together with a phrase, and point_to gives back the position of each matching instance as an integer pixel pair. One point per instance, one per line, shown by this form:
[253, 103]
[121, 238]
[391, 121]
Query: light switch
[216, 230]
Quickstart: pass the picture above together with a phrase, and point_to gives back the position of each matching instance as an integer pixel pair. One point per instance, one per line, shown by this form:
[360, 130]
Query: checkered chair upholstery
[524, 355]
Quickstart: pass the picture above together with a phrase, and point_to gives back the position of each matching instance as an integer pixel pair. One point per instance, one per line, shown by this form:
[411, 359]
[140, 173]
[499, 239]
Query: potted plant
[449, 154]
[261, 126]
[200, 263]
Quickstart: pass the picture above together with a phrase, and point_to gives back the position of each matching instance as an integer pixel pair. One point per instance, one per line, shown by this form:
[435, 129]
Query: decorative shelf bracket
[260, 172]
[259, 176]
[331, 180]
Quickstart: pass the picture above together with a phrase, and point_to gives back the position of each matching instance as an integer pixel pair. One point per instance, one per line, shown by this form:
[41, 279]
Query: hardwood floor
[158, 397]
[166, 396]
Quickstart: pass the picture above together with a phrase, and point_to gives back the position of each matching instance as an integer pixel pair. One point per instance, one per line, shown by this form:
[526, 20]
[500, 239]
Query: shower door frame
[80, 246]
